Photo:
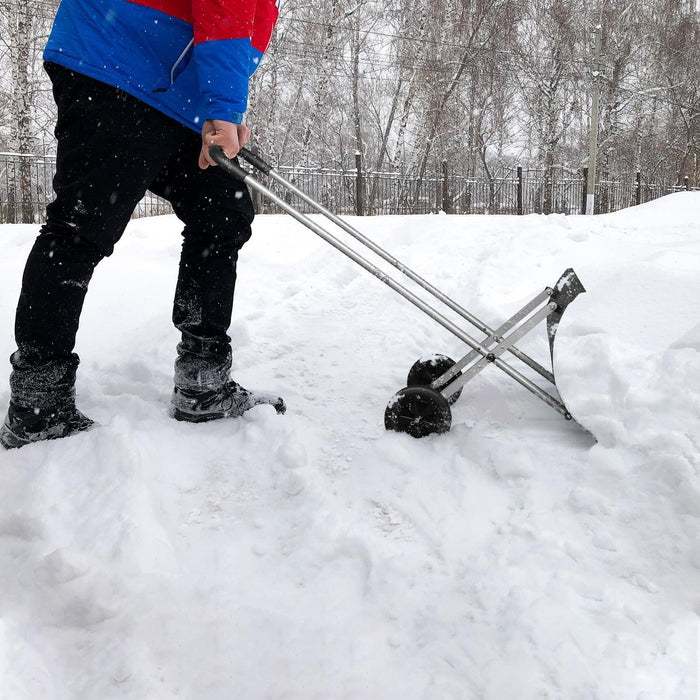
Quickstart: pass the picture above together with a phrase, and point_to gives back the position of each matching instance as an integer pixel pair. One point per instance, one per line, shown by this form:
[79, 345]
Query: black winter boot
[227, 401]
[203, 390]
[42, 403]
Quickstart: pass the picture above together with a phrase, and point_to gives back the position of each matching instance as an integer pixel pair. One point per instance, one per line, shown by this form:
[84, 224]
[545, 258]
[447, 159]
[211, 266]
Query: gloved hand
[217, 132]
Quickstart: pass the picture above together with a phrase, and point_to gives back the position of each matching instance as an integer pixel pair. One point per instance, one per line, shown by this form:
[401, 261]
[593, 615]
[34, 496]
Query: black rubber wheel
[426, 370]
[418, 411]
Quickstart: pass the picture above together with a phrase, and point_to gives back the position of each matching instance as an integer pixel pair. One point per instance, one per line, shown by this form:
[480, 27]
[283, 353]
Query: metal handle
[256, 161]
[230, 166]
[237, 171]
[267, 169]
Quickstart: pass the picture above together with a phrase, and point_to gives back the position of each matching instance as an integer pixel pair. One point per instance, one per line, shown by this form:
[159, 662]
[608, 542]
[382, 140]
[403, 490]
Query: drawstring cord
[173, 70]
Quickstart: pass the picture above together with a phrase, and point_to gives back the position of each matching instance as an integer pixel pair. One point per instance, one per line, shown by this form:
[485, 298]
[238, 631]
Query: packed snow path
[314, 555]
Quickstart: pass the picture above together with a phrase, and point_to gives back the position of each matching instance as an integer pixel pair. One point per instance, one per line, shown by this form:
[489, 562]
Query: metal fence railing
[25, 186]
[26, 189]
[519, 191]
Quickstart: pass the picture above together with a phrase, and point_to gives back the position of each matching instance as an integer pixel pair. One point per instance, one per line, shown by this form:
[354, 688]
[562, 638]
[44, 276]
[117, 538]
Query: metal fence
[518, 191]
[26, 189]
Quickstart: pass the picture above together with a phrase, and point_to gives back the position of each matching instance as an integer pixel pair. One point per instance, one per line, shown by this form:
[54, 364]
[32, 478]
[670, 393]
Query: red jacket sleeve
[266, 14]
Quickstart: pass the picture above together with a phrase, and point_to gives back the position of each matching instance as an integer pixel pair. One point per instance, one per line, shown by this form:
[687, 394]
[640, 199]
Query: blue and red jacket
[190, 59]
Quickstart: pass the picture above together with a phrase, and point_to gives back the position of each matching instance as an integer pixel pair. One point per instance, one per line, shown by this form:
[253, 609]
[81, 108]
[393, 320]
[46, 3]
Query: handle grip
[256, 161]
[230, 166]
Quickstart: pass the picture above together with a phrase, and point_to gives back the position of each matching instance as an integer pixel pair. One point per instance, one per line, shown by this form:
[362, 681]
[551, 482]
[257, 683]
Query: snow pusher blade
[567, 288]
[435, 382]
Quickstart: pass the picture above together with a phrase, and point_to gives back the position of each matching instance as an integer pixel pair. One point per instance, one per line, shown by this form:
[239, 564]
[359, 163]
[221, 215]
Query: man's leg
[102, 172]
[217, 212]
[42, 383]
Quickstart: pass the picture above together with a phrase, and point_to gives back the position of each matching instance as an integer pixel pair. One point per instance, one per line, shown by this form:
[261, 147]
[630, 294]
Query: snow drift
[314, 555]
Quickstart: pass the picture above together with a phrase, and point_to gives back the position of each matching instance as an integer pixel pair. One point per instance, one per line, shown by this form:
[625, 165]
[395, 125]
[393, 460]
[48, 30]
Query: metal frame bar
[487, 355]
[496, 337]
[267, 169]
[497, 350]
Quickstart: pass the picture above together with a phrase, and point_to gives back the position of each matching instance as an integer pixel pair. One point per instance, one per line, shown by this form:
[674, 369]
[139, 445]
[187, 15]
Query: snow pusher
[434, 382]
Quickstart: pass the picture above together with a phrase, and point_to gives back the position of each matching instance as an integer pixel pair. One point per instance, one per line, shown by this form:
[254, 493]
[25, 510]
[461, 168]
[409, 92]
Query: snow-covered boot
[230, 400]
[42, 404]
[203, 390]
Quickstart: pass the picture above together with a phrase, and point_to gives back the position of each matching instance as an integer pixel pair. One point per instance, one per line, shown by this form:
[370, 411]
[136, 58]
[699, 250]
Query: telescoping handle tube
[234, 169]
[264, 167]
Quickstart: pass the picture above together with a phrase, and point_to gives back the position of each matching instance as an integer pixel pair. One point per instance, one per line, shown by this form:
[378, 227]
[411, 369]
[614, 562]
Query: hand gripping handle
[230, 166]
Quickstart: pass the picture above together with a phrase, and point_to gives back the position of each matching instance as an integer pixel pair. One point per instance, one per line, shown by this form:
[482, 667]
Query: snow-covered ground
[316, 556]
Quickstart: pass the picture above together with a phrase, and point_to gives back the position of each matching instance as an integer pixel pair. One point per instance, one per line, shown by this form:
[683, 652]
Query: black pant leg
[110, 147]
[217, 211]
[54, 284]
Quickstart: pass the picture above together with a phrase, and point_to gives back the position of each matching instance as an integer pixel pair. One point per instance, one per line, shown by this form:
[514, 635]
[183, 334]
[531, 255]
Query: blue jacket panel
[152, 55]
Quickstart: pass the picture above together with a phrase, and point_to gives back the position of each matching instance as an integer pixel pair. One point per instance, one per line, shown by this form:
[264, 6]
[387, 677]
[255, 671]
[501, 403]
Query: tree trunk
[323, 78]
[21, 104]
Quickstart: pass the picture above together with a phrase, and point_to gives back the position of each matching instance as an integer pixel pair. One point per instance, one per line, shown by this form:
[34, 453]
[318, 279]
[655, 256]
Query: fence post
[686, 182]
[584, 191]
[638, 188]
[446, 205]
[359, 189]
[519, 195]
